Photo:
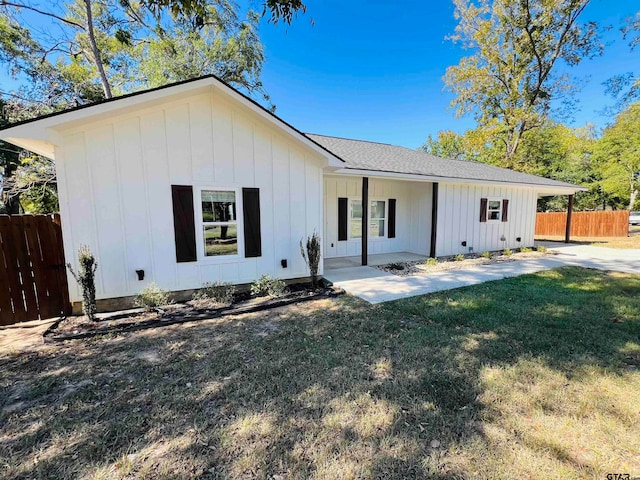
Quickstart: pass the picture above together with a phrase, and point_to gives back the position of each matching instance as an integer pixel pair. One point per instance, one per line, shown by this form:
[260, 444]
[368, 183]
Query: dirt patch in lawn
[404, 269]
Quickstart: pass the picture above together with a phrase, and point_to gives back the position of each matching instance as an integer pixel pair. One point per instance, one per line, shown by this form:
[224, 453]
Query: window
[355, 217]
[219, 222]
[377, 218]
[494, 210]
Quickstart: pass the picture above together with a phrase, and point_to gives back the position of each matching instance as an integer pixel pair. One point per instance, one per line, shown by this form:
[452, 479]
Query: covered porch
[373, 260]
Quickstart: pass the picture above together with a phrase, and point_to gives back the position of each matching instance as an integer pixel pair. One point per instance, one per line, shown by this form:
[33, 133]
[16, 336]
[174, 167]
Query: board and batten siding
[413, 215]
[459, 219]
[115, 177]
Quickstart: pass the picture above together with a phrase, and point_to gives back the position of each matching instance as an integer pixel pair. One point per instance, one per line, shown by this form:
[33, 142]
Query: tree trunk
[633, 197]
[95, 52]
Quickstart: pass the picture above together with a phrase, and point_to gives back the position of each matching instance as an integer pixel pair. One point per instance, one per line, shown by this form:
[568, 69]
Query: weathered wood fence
[33, 281]
[584, 224]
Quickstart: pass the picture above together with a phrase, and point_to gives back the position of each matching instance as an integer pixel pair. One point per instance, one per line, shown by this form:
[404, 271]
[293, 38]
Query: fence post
[567, 233]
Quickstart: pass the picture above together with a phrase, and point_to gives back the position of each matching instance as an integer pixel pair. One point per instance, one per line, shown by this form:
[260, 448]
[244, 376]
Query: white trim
[200, 223]
[543, 189]
[38, 137]
[494, 199]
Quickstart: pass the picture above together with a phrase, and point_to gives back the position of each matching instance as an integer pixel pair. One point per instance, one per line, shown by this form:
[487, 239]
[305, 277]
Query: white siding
[115, 181]
[413, 215]
[459, 219]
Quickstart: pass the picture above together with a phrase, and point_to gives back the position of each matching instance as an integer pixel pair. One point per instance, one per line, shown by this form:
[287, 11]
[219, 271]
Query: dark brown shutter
[184, 225]
[483, 209]
[251, 215]
[505, 210]
[342, 218]
[391, 230]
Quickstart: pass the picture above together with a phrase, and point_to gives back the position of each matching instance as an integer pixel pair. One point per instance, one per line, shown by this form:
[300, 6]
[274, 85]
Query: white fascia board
[34, 135]
[544, 190]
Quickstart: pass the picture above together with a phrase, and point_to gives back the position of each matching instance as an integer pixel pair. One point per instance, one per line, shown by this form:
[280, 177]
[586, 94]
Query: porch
[373, 260]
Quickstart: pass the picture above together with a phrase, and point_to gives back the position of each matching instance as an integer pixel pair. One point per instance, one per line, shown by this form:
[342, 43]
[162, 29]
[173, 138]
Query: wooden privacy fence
[584, 224]
[33, 281]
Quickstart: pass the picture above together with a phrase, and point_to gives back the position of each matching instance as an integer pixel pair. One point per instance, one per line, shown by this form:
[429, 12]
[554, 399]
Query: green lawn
[532, 377]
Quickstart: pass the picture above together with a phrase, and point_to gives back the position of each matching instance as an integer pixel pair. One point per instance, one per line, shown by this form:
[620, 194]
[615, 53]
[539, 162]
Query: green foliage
[431, 261]
[448, 144]
[312, 257]
[85, 277]
[268, 286]
[617, 157]
[508, 81]
[485, 254]
[216, 292]
[525, 250]
[507, 252]
[459, 257]
[151, 297]
[541, 249]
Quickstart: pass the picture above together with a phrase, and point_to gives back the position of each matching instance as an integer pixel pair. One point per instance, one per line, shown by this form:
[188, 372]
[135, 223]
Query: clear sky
[372, 69]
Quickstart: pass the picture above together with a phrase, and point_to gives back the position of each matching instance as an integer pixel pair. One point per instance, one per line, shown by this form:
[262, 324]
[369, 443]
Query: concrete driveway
[376, 286]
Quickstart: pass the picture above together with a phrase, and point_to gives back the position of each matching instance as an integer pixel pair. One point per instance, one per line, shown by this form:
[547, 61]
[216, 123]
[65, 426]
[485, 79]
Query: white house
[194, 182]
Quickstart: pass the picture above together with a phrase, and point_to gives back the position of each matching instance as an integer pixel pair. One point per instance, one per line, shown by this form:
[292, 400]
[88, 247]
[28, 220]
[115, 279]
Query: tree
[625, 87]
[618, 156]
[447, 144]
[511, 78]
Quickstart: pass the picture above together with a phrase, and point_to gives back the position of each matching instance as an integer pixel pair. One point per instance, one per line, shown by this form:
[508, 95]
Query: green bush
[431, 261]
[85, 277]
[485, 254]
[216, 293]
[507, 252]
[525, 250]
[267, 286]
[151, 297]
[541, 248]
[312, 257]
[459, 257]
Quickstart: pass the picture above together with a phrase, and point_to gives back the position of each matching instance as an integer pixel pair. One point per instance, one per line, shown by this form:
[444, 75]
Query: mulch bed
[406, 269]
[77, 327]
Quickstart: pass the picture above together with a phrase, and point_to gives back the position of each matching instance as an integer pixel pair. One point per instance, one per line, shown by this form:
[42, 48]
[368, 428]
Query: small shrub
[267, 286]
[395, 266]
[85, 277]
[507, 252]
[151, 297]
[541, 249]
[215, 292]
[525, 250]
[431, 261]
[459, 257]
[485, 254]
[312, 257]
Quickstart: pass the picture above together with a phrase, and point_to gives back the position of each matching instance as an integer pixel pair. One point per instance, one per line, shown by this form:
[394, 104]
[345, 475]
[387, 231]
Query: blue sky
[372, 69]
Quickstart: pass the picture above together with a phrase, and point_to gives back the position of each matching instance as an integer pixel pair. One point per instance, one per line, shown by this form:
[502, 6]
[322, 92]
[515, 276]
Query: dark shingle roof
[382, 157]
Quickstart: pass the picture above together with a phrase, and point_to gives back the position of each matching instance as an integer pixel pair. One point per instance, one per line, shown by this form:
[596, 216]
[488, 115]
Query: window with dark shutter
[391, 230]
[251, 215]
[483, 209]
[184, 225]
[505, 209]
[342, 218]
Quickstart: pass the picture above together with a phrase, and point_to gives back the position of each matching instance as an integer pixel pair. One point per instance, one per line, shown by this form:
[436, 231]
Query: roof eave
[544, 189]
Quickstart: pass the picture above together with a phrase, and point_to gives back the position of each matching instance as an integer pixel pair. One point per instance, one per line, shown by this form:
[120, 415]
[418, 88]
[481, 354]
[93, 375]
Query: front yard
[531, 377]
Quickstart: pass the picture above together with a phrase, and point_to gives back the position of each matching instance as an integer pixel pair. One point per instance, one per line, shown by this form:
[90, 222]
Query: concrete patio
[376, 286]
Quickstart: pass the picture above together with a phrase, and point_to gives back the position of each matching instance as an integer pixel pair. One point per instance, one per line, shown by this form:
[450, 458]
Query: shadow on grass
[331, 389]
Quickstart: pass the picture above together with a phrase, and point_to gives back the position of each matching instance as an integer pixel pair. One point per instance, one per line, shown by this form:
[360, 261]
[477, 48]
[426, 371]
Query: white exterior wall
[459, 218]
[115, 177]
[413, 215]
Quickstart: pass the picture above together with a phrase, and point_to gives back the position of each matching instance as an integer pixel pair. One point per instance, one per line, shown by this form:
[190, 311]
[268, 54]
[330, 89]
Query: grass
[632, 241]
[531, 377]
